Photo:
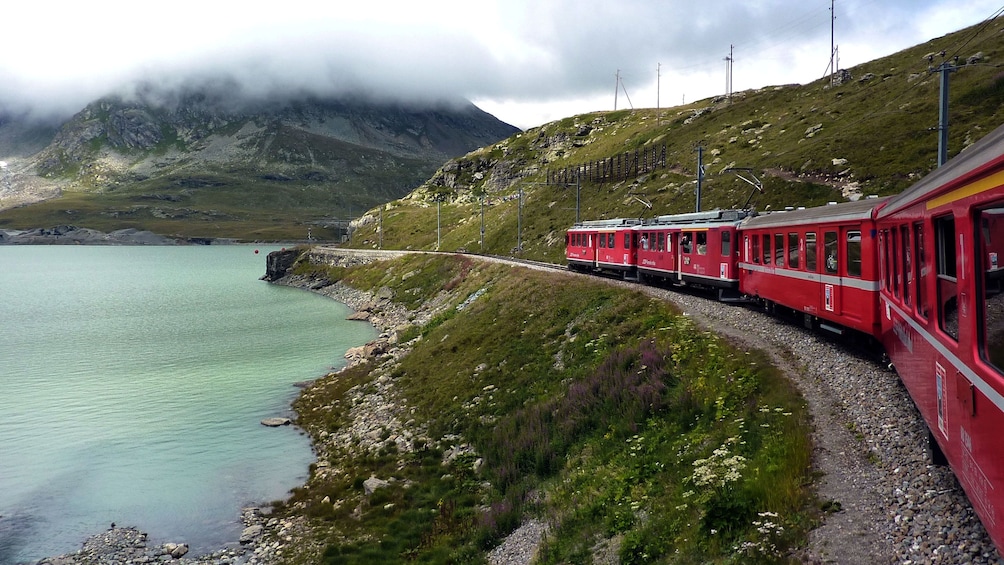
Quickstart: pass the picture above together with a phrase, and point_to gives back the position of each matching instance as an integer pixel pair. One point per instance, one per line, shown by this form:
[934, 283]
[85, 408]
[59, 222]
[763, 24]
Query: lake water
[132, 385]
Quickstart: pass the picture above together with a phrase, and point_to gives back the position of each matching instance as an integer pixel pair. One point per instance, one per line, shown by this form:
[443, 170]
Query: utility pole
[617, 87]
[728, 74]
[380, 230]
[439, 206]
[945, 68]
[833, 18]
[658, 83]
[482, 222]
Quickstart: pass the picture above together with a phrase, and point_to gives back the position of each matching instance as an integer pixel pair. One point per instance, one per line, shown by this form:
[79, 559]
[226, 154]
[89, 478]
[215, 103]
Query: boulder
[371, 484]
[251, 533]
[276, 422]
[175, 550]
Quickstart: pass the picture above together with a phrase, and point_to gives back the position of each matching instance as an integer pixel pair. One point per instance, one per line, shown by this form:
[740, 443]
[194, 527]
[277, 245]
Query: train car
[942, 309]
[819, 262]
[699, 248]
[603, 245]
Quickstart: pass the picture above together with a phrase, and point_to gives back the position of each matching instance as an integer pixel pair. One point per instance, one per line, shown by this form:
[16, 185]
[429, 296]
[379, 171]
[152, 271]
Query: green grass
[590, 406]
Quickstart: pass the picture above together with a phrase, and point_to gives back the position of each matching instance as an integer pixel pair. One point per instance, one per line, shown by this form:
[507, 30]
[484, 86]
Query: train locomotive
[921, 273]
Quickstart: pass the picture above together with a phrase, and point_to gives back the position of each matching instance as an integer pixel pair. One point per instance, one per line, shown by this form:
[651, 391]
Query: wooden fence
[615, 168]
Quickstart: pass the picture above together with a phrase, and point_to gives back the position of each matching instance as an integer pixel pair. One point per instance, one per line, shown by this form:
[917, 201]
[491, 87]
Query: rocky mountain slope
[159, 160]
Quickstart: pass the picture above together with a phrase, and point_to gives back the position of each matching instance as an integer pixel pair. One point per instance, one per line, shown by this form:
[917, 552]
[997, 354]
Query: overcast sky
[527, 62]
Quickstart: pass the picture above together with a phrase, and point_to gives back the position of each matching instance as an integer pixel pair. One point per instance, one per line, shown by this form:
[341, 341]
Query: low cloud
[511, 52]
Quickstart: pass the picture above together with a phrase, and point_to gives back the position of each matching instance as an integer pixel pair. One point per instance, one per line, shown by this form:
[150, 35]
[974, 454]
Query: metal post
[380, 230]
[439, 204]
[700, 175]
[482, 223]
[519, 221]
[578, 199]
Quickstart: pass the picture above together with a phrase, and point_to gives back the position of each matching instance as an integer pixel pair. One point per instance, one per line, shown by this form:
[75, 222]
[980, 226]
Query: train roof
[607, 224]
[711, 216]
[964, 167]
[840, 212]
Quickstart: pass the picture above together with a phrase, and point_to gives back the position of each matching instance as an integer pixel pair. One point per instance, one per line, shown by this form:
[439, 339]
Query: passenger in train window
[644, 242]
[685, 243]
[830, 249]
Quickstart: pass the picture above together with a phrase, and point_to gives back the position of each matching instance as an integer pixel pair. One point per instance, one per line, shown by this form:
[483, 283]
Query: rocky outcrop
[278, 263]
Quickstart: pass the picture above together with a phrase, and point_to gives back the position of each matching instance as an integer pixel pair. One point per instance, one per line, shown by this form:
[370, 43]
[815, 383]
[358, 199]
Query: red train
[921, 272]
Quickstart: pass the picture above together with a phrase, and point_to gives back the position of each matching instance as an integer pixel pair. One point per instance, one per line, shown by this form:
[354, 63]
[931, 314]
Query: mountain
[871, 130]
[198, 163]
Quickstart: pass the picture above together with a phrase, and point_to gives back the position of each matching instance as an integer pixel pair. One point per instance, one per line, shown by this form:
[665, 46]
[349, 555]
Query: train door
[812, 267]
[831, 295]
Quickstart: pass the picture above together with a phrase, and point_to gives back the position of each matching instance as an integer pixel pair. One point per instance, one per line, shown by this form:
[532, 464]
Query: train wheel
[769, 307]
[934, 451]
[809, 321]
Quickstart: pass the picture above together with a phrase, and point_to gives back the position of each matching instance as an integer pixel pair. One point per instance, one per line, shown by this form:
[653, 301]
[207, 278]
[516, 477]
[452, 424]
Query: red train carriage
[700, 248]
[603, 245]
[942, 309]
[817, 261]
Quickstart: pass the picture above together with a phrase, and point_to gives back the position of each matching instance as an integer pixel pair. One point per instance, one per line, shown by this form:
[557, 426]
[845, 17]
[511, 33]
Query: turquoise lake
[132, 385]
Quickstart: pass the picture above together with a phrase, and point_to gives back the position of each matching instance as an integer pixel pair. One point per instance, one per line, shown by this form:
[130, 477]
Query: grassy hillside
[875, 134]
[600, 409]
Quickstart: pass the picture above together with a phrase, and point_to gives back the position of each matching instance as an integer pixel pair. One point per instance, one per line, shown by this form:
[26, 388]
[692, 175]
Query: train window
[766, 249]
[904, 249]
[662, 241]
[603, 240]
[920, 267]
[893, 262]
[991, 242]
[884, 259]
[810, 251]
[756, 249]
[830, 251]
[627, 240]
[779, 249]
[685, 240]
[611, 242]
[702, 242]
[726, 243]
[944, 257]
[854, 253]
[793, 250]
